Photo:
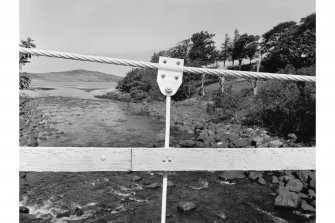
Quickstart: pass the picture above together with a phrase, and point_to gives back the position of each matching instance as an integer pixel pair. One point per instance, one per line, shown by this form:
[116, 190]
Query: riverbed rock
[24, 210]
[136, 178]
[257, 141]
[229, 175]
[78, 211]
[276, 143]
[261, 181]
[254, 175]
[294, 185]
[154, 185]
[186, 206]
[275, 180]
[63, 214]
[187, 143]
[222, 216]
[311, 193]
[287, 199]
[160, 137]
[306, 207]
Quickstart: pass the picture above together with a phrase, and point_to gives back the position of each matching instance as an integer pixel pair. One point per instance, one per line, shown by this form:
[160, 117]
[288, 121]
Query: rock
[261, 181]
[311, 193]
[186, 206]
[191, 132]
[222, 216]
[312, 182]
[292, 137]
[294, 185]
[306, 207]
[28, 218]
[63, 214]
[241, 143]
[223, 144]
[153, 185]
[305, 215]
[78, 211]
[23, 175]
[229, 175]
[303, 196]
[160, 137]
[187, 143]
[257, 141]
[136, 178]
[276, 143]
[254, 175]
[275, 180]
[170, 184]
[287, 199]
[24, 210]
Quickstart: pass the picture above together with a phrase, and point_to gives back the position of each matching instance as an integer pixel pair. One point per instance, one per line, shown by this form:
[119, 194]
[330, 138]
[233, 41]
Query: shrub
[287, 107]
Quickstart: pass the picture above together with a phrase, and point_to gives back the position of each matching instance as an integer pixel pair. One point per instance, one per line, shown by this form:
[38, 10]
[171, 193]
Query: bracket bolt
[169, 159]
[103, 158]
[163, 76]
[164, 61]
[164, 160]
[168, 90]
[178, 63]
[176, 77]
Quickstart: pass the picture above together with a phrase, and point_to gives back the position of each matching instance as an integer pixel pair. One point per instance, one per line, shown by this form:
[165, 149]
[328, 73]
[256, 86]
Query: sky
[134, 29]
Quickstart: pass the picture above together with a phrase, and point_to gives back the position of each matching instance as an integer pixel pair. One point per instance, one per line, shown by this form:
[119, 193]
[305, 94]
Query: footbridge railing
[169, 78]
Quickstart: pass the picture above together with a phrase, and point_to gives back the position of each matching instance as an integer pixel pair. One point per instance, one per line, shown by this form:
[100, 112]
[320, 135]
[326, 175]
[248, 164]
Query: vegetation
[25, 58]
[281, 106]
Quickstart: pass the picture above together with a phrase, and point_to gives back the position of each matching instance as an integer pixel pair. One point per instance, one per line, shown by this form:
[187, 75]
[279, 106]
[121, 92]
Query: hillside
[75, 75]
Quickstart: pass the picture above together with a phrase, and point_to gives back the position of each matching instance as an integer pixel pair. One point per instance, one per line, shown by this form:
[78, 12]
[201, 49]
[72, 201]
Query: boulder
[160, 137]
[257, 141]
[261, 181]
[241, 143]
[63, 214]
[276, 143]
[153, 185]
[306, 207]
[187, 143]
[223, 144]
[229, 175]
[292, 137]
[287, 199]
[275, 180]
[186, 206]
[222, 216]
[254, 175]
[136, 178]
[78, 211]
[24, 210]
[294, 185]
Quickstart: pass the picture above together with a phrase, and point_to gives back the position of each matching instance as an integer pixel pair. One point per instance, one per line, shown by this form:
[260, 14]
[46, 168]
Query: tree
[239, 51]
[251, 47]
[226, 49]
[236, 37]
[203, 51]
[23, 59]
[291, 44]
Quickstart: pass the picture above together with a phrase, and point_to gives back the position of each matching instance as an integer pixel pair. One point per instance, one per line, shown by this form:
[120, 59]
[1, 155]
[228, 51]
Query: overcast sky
[135, 29]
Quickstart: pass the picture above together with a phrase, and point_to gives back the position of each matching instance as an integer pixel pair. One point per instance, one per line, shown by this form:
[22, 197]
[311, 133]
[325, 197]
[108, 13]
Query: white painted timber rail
[83, 159]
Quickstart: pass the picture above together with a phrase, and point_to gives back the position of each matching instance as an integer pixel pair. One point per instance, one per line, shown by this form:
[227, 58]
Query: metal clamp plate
[170, 75]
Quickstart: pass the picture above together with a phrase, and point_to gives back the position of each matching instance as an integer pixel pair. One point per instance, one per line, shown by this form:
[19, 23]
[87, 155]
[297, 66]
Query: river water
[128, 197]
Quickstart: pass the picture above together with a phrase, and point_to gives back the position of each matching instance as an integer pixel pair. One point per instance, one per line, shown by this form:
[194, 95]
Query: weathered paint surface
[75, 159]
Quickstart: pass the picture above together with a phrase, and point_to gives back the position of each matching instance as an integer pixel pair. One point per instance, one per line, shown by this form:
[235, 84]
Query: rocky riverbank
[191, 117]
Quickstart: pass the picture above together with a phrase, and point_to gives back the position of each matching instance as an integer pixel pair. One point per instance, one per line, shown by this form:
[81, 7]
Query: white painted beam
[192, 159]
[74, 159]
[81, 159]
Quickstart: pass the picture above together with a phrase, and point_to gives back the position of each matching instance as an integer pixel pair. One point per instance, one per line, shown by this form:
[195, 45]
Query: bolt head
[168, 90]
[163, 76]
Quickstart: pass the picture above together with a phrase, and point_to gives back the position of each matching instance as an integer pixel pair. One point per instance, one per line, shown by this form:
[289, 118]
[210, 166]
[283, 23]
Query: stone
[191, 132]
[160, 137]
[186, 143]
[261, 181]
[241, 143]
[275, 180]
[287, 199]
[294, 185]
[311, 193]
[136, 178]
[223, 144]
[170, 184]
[153, 185]
[24, 210]
[306, 207]
[222, 216]
[23, 175]
[78, 211]
[254, 175]
[276, 143]
[292, 137]
[63, 214]
[229, 175]
[186, 206]
[257, 141]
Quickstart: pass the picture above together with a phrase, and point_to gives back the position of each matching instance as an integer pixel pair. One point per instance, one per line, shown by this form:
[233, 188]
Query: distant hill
[75, 75]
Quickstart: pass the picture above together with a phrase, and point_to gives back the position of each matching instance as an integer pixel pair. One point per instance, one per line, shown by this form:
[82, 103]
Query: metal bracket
[170, 75]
